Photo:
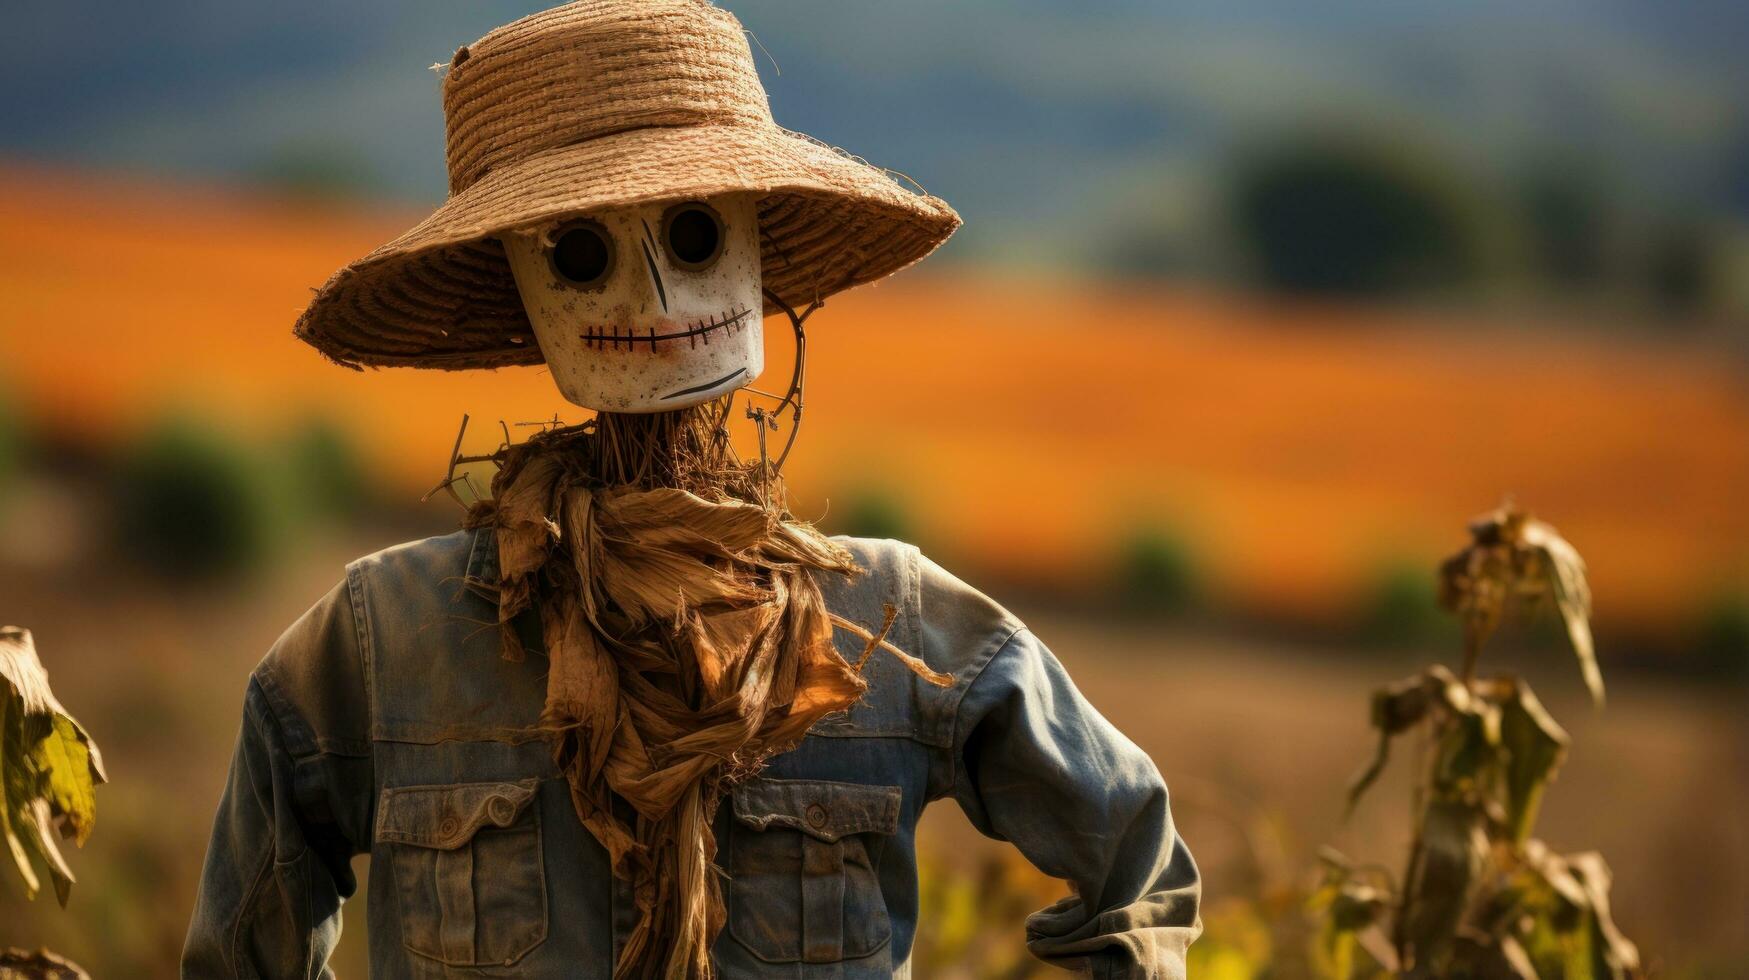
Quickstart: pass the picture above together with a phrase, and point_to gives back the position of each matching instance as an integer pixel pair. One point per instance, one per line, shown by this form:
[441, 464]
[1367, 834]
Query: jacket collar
[482, 574]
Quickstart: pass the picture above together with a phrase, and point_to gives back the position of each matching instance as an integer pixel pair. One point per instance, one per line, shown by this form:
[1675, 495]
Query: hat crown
[591, 69]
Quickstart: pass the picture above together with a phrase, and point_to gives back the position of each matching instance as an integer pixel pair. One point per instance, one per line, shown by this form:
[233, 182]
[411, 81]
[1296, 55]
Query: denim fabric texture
[384, 722]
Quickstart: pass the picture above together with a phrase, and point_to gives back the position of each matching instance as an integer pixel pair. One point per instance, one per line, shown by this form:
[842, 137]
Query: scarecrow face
[646, 309]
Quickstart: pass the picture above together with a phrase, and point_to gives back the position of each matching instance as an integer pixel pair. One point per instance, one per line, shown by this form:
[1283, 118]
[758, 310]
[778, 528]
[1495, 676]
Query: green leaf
[71, 770]
[1348, 907]
[1334, 957]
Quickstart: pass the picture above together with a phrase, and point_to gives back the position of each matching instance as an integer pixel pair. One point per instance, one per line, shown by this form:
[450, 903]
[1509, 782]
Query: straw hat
[596, 105]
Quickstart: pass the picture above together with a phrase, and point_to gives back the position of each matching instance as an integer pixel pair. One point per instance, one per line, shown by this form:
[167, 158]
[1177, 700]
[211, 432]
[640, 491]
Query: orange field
[1023, 425]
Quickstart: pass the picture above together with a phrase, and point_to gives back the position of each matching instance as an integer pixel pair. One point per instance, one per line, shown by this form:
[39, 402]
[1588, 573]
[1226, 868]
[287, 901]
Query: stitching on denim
[410, 733]
[312, 966]
[355, 589]
[245, 909]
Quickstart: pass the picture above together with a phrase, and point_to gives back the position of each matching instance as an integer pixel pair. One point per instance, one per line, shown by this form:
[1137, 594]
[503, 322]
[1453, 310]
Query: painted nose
[648, 244]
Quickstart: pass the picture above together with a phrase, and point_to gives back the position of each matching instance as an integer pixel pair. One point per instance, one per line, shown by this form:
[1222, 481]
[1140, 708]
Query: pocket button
[502, 811]
[816, 816]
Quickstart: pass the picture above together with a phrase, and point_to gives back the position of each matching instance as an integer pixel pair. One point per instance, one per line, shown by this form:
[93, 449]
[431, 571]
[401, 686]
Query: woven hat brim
[442, 295]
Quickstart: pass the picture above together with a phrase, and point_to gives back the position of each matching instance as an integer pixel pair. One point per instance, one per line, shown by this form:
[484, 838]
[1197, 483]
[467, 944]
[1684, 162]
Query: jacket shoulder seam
[1004, 637]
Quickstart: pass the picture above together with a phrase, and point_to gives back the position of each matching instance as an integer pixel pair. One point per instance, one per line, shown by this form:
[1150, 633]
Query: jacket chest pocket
[466, 860]
[802, 859]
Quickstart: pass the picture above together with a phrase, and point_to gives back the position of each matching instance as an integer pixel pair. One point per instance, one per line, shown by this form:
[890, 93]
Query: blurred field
[1024, 425]
[1021, 430]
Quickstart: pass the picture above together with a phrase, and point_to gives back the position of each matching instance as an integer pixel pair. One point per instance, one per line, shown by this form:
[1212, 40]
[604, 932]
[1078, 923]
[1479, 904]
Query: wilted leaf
[1570, 931]
[1348, 907]
[49, 767]
[1535, 746]
[20, 964]
[1469, 748]
[1514, 961]
[1513, 554]
[1565, 572]
[1401, 706]
[42, 844]
[1613, 954]
[1492, 958]
[14, 786]
[1476, 582]
[1450, 855]
[1355, 909]
[1563, 901]
[1394, 710]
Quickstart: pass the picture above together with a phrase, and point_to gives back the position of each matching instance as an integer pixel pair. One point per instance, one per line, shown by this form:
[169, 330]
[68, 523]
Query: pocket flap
[448, 816]
[822, 809]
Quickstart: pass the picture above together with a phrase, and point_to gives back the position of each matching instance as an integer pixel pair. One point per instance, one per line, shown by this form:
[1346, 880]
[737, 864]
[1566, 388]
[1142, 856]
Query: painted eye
[582, 254]
[693, 235]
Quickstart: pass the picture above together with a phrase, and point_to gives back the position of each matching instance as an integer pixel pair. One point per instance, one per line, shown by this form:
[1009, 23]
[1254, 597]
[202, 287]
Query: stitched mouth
[698, 332]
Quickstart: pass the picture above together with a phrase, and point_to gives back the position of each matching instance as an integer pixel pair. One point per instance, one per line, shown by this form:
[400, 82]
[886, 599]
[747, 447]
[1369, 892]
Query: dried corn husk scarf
[687, 643]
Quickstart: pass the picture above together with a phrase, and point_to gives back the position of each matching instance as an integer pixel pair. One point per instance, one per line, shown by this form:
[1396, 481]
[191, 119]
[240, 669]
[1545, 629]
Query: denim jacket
[385, 722]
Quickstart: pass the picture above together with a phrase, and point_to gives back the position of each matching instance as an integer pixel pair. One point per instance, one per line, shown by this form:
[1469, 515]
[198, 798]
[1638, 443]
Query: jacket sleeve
[294, 810]
[1039, 767]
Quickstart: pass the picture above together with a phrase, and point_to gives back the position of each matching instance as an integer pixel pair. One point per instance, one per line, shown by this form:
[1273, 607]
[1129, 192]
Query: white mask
[646, 309]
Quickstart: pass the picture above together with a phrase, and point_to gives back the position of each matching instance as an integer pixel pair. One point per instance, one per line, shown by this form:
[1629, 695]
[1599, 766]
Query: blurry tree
[1479, 896]
[315, 171]
[1566, 215]
[1353, 216]
[874, 513]
[11, 445]
[1156, 571]
[1402, 606]
[1143, 248]
[326, 474]
[1724, 635]
[190, 504]
[1682, 266]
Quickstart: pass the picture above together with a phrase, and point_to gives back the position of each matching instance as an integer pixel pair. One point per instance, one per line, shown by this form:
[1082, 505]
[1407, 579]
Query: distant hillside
[1040, 121]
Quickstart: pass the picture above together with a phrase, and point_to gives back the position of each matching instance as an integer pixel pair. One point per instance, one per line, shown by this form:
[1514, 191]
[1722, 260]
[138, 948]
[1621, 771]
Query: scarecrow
[636, 719]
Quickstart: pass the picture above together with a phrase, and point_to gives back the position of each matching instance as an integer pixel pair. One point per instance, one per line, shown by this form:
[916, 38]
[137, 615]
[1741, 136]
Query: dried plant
[50, 769]
[49, 765]
[1479, 896]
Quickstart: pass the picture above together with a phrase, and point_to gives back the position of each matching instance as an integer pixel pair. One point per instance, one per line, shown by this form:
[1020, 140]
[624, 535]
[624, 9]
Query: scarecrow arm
[277, 866]
[1036, 765]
